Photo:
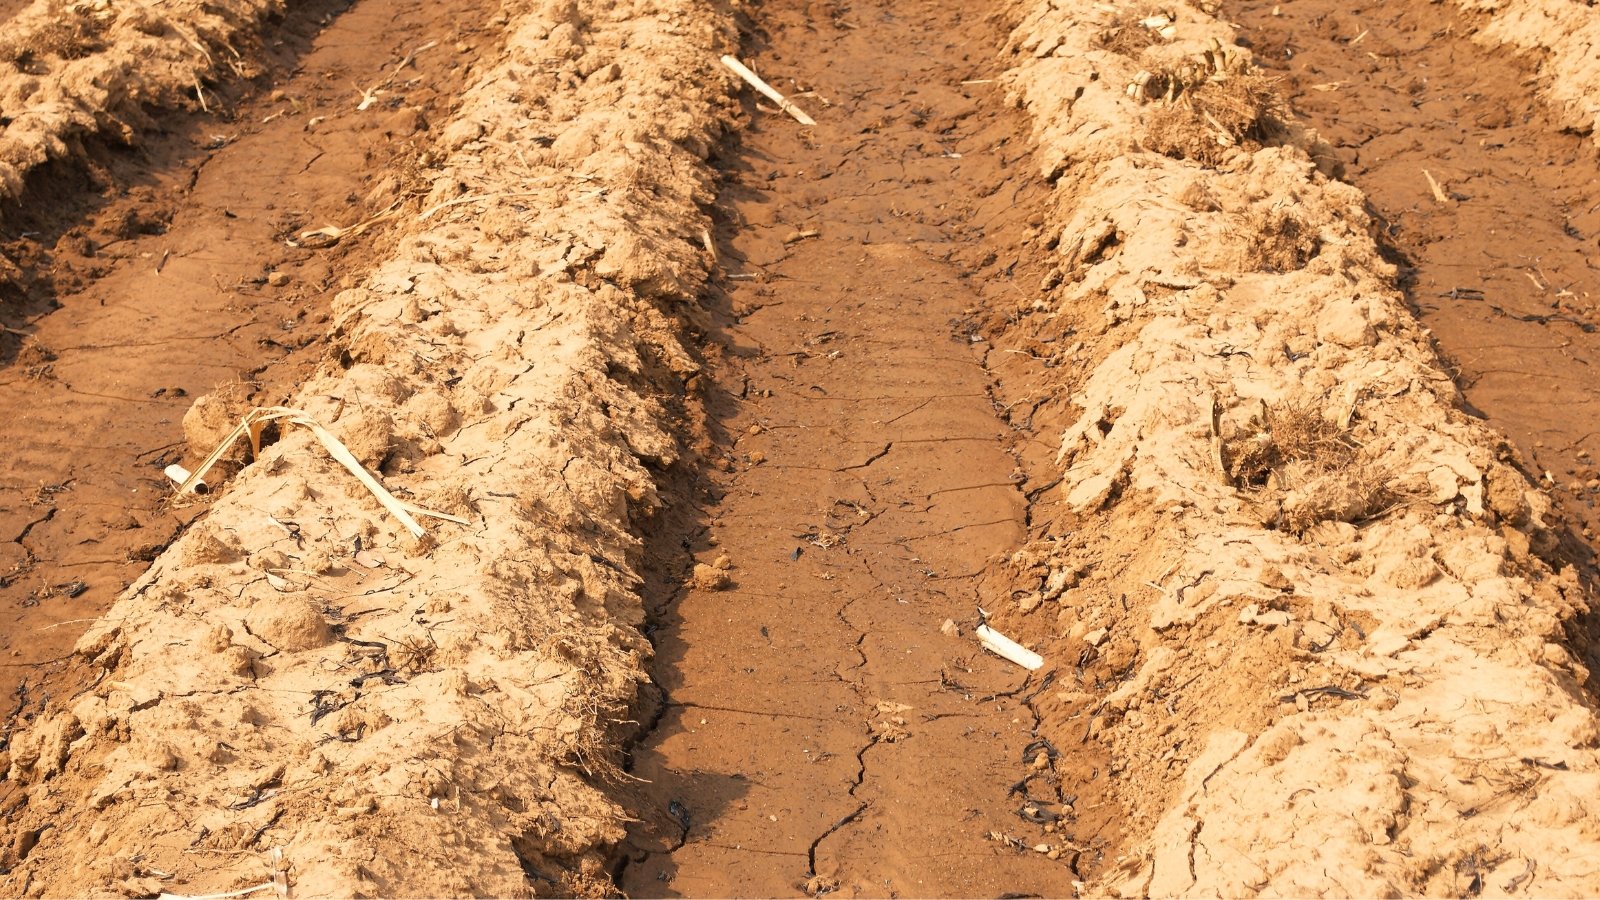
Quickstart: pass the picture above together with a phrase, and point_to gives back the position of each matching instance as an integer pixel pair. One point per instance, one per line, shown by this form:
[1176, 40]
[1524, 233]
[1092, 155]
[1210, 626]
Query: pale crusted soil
[1336, 667]
[71, 70]
[1291, 592]
[297, 690]
[1563, 37]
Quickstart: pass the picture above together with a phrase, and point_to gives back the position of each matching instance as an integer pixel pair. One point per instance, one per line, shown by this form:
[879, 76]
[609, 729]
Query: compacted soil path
[821, 731]
[171, 276]
[1499, 252]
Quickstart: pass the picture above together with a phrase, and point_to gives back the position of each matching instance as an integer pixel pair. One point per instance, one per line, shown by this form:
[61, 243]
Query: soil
[821, 732]
[1262, 550]
[170, 277]
[1553, 38]
[1503, 270]
[695, 439]
[302, 673]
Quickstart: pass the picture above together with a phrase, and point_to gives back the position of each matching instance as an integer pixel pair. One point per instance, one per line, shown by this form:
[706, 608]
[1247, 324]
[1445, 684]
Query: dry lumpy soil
[163, 274]
[736, 424]
[1500, 259]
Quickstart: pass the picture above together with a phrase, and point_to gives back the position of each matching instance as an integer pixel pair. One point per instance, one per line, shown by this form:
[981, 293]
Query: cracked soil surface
[722, 429]
[820, 731]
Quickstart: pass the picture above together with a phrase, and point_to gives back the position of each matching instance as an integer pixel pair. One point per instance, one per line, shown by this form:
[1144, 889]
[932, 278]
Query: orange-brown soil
[157, 276]
[1238, 370]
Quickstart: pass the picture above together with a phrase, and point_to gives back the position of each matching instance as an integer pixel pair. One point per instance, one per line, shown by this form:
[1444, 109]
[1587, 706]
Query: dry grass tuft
[1307, 469]
[1202, 111]
[36, 360]
[1275, 239]
[1131, 33]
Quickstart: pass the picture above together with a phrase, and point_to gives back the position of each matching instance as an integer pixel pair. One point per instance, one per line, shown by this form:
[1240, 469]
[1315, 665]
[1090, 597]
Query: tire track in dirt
[164, 273]
[1501, 269]
[819, 732]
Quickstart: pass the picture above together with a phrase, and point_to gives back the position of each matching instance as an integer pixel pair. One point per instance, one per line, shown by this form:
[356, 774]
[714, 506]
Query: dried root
[1130, 34]
[1305, 469]
[1203, 110]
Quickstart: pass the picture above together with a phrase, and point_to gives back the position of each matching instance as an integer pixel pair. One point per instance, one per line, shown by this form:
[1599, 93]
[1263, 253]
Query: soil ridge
[1302, 588]
[298, 692]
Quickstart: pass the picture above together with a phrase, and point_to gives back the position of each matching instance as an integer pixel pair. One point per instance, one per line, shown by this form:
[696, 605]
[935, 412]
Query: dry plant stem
[755, 81]
[242, 892]
[333, 233]
[257, 418]
[1433, 185]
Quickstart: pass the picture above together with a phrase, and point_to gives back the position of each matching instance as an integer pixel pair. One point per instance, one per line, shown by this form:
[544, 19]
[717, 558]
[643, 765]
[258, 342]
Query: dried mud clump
[1278, 240]
[1306, 469]
[36, 360]
[1205, 109]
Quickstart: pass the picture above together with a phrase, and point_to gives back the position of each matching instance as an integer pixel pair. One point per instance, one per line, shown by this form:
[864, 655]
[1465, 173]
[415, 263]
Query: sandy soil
[76, 71]
[1558, 38]
[297, 685]
[174, 280]
[1502, 270]
[1392, 702]
[736, 423]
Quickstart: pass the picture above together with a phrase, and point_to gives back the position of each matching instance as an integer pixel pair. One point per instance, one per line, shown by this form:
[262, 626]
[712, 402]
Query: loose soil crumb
[1558, 37]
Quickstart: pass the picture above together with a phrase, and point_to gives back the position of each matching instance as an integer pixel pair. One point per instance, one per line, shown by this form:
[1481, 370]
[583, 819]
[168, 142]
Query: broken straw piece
[1006, 647]
[1438, 192]
[755, 81]
[256, 418]
[242, 892]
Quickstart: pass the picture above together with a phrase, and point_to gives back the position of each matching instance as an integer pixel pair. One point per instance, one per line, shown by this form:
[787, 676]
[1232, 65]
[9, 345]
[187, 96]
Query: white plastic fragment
[180, 475]
[1006, 647]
